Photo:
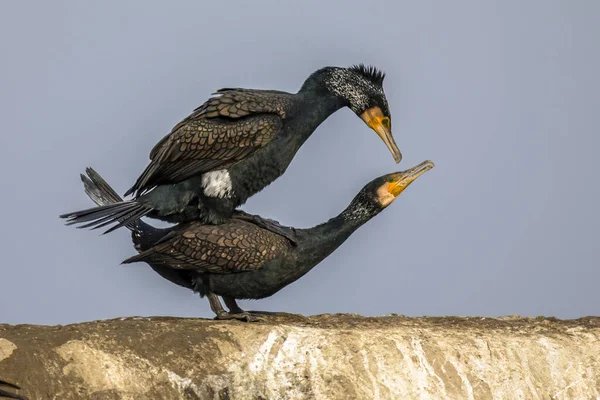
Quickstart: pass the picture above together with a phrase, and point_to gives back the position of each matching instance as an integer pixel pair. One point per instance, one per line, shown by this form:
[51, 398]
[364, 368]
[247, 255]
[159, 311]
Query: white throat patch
[217, 184]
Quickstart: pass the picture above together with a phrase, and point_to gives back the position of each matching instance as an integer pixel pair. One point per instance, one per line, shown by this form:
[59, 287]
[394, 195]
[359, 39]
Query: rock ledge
[293, 357]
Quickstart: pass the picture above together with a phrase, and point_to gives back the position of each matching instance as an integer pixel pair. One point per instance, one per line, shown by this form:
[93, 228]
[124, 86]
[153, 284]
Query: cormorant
[237, 143]
[240, 260]
[10, 395]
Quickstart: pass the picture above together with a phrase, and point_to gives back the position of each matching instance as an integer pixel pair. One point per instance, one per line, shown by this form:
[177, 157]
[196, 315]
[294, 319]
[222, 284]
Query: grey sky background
[502, 96]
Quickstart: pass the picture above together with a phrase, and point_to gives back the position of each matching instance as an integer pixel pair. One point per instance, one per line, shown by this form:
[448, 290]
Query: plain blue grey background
[502, 96]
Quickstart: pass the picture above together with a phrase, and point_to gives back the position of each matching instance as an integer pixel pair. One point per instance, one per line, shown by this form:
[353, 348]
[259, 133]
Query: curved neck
[316, 81]
[312, 107]
[322, 240]
[309, 111]
[314, 245]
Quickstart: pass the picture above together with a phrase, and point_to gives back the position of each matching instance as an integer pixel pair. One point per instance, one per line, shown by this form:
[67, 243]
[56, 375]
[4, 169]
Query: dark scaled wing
[235, 246]
[237, 103]
[222, 131]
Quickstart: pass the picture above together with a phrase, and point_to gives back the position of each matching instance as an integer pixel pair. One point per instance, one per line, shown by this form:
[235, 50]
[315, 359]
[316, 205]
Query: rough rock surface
[294, 357]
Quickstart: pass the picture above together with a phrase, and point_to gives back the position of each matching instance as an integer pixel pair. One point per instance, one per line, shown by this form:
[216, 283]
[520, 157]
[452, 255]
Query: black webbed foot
[243, 316]
[236, 311]
[271, 225]
[10, 395]
[256, 312]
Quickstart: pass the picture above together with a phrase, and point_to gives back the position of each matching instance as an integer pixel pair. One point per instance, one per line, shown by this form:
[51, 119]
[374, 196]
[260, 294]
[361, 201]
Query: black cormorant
[10, 395]
[240, 260]
[237, 143]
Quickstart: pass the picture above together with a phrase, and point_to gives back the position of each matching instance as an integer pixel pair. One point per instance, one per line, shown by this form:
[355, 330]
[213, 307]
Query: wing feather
[235, 246]
[224, 130]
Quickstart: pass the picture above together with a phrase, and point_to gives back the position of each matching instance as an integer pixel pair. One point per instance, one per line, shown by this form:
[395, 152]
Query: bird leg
[235, 309]
[287, 232]
[9, 395]
[232, 305]
[215, 305]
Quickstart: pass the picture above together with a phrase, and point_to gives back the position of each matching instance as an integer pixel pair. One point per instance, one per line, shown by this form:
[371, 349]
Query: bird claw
[243, 316]
[256, 312]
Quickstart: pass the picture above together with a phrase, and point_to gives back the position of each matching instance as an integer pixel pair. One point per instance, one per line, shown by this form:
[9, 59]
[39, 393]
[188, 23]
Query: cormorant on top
[237, 143]
[240, 260]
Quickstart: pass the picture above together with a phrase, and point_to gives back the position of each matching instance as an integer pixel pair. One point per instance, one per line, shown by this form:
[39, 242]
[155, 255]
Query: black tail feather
[123, 212]
[121, 216]
[132, 218]
[9, 384]
[103, 194]
[94, 224]
[111, 207]
[4, 393]
[150, 257]
[98, 189]
[133, 259]
[144, 235]
[9, 395]
[89, 214]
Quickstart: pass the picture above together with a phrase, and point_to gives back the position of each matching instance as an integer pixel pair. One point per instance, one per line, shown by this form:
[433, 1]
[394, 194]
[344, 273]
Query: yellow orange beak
[382, 125]
[401, 180]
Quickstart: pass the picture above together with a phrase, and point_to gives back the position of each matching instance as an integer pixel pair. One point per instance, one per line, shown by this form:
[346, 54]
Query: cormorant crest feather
[369, 72]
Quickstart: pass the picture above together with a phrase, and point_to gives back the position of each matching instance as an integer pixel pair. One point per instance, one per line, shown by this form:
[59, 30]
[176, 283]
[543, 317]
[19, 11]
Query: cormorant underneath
[241, 260]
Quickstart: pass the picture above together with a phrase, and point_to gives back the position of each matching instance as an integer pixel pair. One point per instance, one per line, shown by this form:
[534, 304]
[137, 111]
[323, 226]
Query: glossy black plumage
[239, 259]
[215, 135]
[234, 246]
[233, 146]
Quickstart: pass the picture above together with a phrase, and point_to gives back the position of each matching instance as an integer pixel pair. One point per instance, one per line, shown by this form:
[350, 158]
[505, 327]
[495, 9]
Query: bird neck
[324, 239]
[309, 111]
[317, 81]
[313, 106]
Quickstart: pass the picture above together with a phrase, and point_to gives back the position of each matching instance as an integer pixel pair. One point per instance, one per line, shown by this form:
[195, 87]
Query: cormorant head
[388, 187]
[361, 88]
[382, 191]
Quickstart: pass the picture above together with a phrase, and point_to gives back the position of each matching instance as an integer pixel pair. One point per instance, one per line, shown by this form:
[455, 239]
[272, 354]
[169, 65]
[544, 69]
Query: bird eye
[386, 122]
[390, 179]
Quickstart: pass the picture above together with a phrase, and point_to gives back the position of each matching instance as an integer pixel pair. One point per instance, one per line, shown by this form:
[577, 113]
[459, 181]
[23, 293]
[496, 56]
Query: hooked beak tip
[386, 136]
[420, 169]
[405, 178]
[375, 119]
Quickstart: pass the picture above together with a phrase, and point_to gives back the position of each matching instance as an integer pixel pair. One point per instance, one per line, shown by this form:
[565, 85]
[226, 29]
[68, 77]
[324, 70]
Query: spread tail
[98, 190]
[101, 192]
[143, 235]
[111, 207]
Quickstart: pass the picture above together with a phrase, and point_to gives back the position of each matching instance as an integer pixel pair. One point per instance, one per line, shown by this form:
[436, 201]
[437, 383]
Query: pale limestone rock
[6, 348]
[293, 357]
